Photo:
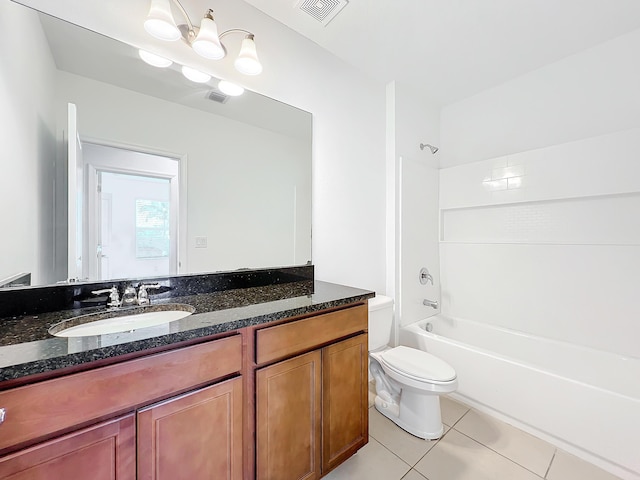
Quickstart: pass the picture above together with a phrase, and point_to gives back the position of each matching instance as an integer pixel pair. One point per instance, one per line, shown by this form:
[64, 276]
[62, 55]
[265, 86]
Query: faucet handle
[143, 295]
[425, 276]
[114, 296]
[129, 297]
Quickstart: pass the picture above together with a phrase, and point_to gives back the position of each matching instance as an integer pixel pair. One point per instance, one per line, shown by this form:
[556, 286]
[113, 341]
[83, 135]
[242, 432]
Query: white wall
[584, 95]
[28, 154]
[413, 202]
[348, 128]
[239, 197]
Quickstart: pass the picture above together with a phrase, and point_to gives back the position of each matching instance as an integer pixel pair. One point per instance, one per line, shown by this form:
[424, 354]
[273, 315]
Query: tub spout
[430, 303]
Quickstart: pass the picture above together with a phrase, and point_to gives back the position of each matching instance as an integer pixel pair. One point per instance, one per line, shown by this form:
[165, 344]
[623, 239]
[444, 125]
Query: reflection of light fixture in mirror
[230, 88]
[204, 40]
[195, 75]
[154, 60]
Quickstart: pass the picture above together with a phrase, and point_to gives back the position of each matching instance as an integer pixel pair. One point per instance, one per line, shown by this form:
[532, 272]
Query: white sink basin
[96, 324]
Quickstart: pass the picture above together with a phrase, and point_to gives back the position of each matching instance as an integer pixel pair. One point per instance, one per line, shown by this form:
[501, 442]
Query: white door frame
[179, 185]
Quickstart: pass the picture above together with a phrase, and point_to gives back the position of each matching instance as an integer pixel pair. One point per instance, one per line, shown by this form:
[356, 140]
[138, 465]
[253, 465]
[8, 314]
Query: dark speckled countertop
[26, 347]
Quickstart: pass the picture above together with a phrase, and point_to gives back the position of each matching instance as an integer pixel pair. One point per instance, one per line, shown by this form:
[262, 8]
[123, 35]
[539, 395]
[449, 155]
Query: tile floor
[474, 447]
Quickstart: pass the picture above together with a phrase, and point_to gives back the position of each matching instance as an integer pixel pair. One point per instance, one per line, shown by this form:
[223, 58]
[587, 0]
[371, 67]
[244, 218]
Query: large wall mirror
[112, 168]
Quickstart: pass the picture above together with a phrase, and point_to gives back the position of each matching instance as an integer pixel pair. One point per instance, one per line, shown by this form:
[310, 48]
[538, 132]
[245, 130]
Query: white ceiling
[452, 49]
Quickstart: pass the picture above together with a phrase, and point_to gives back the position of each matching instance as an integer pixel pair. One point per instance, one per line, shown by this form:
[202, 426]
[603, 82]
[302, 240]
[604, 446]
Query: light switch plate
[201, 242]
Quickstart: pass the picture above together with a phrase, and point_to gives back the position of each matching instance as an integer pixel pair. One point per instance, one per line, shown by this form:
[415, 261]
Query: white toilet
[409, 382]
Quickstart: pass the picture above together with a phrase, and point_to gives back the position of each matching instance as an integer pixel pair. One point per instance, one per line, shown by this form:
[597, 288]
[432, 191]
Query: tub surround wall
[556, 256]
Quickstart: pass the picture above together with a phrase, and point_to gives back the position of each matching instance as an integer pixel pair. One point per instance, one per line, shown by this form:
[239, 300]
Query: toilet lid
[418, 364]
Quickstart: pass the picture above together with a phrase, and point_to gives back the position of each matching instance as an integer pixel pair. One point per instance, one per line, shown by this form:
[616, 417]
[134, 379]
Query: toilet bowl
[409, 382]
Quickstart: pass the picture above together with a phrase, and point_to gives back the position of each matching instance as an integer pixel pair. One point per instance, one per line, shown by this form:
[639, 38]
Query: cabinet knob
[3, 414]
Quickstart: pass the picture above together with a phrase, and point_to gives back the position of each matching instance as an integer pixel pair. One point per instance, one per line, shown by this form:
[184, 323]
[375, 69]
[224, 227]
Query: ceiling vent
[216, 96]
[321, 10]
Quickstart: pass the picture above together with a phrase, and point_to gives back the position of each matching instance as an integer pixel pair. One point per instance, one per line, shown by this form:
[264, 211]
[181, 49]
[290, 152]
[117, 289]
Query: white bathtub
[583, 400]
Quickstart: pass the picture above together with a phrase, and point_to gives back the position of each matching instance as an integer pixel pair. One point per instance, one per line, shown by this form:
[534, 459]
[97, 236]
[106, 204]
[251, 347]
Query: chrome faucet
[130, 296]
[143, 295]
[114, 296]
[430, 303]
[425, 276]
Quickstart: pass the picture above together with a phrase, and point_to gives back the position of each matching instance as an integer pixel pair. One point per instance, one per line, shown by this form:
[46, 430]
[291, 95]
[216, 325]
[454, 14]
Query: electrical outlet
[201, 242]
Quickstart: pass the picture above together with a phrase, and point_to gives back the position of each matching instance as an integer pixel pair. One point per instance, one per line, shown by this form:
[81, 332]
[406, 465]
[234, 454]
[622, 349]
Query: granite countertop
[26, 347]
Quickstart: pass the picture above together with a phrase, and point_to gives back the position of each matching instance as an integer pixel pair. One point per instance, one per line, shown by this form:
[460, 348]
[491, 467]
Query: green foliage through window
[152, 229]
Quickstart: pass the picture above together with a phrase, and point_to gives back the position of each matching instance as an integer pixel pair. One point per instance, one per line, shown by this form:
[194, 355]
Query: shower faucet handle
[425, 276]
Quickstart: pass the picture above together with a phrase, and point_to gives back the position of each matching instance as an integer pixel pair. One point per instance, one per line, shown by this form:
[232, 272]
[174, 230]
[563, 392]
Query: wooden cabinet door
[102, 452]
[345, 413]
[195, 436]
[288, 419]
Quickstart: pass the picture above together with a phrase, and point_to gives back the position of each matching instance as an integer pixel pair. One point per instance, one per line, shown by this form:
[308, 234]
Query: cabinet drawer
[288, 339]
[44, 408]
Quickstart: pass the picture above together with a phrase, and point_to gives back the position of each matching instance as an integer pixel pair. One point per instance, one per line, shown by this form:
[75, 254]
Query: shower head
[431, 147]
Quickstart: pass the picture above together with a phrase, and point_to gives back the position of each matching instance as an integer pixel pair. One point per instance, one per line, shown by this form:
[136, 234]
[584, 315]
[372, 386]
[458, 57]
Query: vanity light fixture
[205, 39]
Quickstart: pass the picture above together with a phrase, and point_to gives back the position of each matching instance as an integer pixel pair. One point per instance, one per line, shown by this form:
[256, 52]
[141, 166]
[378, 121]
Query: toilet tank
[380, 321]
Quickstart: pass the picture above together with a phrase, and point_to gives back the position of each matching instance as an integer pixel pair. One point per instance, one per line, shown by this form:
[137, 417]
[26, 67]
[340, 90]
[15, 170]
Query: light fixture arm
[192, 29]
[236, 30]
[205, 39]
[186, 16]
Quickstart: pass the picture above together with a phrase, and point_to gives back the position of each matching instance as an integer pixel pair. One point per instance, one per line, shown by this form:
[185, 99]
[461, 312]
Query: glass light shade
[230, 88]
[160, 22]
[247, 61]
[154, 60]
[195, 75]
[207, 43]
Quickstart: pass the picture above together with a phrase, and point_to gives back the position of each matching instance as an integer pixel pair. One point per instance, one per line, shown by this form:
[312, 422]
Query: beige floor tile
[451, 410]
[568, 467]
[372, 462]
[413, 475]
[524, 449]
[457, 457]
[403, 444]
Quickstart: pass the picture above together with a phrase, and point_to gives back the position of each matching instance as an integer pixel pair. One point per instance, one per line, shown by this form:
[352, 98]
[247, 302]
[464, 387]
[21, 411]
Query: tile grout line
[498, 453]
[393, 453]
[443, 435]
[461, 417]
[553, 457]
[432, 447]
[405, 462]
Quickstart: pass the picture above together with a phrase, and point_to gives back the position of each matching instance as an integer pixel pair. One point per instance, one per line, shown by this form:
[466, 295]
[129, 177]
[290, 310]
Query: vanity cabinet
[59, 425]
[105, 451]
[311, 409]
[279, 400]
[197, 435]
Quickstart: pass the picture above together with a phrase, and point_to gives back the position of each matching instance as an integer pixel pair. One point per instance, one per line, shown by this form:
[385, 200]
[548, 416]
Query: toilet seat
[417, 365]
